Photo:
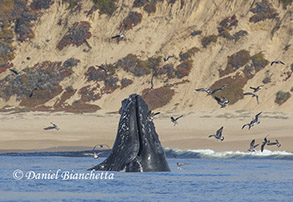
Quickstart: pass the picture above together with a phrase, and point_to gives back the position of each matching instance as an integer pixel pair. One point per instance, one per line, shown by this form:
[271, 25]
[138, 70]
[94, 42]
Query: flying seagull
[151, 115]
[255, 120]
[253, 95]
[174, 120]
[14, 72]
[277, 62]
[223, 102]
[104, 68]
[210, 92]
[54, 126]
[218, 134]
[96, 155]
[101, 146]
[247, 124]
[121, 35]
[167, 58]
[256, 89]
[32, 91]
[179, 164]
[252, 146]
[152, 82]
[266, 141]
[274, 143]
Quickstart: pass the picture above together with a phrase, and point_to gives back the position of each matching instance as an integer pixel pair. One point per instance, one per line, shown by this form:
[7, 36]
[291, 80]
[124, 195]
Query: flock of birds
[221, 101]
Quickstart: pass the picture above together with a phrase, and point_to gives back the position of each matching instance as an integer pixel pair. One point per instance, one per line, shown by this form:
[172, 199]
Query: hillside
[55, 48]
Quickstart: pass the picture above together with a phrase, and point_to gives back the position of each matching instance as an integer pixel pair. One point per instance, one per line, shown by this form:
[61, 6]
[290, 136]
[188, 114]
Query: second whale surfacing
[137, 147]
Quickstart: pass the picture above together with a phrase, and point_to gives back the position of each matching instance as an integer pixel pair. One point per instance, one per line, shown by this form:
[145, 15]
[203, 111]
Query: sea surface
[207, 176]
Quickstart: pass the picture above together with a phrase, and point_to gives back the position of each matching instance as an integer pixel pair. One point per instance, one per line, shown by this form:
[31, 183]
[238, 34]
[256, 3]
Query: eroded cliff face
[60, 55]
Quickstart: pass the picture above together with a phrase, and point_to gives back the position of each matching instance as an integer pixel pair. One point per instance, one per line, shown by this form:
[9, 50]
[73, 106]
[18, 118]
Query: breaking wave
[210, 154]
[192, 154]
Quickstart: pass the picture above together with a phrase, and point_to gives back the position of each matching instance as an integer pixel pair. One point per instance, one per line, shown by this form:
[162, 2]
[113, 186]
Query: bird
[152, 82]
[179, 164]
[167, 58]
[277, 62]
[247, 124]
[223, 102]
[121, 35]
[204, 90]
[104, 68]
[96, 155]
[101, 146]
[151, 115]
[256, 89]
[174, 120]
[266, 141]
[252, 146]
[32, 91]
[210, 92]
[252, 122]
[218, 89]
[54, 126]
[274, 143]
[253, 95]
[218, 134]
[255, 120]
[14, 72]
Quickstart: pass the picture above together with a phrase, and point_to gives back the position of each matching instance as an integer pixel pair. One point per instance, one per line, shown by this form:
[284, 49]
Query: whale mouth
[137, 147]
[138, 125]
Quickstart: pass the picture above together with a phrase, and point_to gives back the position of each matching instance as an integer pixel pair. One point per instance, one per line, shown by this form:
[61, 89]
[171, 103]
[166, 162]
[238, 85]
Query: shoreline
[82, 131]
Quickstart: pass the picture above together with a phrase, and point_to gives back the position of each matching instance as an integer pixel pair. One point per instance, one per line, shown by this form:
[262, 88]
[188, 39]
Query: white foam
[211, 153]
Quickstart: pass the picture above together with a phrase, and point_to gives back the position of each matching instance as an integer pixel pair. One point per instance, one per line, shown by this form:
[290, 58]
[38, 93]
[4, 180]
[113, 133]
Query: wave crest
[208, 153]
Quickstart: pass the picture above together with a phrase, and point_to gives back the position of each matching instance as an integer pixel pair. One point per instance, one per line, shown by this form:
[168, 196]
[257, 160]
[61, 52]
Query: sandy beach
[23, 132]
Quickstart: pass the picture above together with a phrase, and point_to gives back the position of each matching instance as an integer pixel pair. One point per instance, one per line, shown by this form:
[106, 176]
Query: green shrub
[76, 35]
[105, 6]
[266, 80]
[259, 62]
[188, 54]
[282, 97]
[235, 61]
[286, 3]
[208, 39]
[234, 89]
[183, 69]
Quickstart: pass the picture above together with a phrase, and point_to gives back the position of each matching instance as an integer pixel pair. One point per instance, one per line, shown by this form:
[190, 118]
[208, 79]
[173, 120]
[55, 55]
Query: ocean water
[207, 176]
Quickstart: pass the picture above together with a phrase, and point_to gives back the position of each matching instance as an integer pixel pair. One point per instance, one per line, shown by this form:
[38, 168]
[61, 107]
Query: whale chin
[137, 147]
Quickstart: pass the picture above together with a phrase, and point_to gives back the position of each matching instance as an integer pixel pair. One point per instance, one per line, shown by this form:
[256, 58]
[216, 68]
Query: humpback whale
[137, 147]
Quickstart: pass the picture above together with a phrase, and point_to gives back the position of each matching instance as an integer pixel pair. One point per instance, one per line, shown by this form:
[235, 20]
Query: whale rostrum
[137, 147]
